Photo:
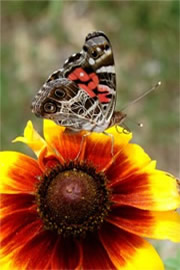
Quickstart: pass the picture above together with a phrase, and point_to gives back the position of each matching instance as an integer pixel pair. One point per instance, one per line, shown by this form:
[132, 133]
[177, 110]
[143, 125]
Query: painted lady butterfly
[82, 94]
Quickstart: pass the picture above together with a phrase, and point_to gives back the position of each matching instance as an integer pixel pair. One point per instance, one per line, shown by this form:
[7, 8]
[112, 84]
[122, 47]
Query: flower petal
[32, 139]
[17, 228]
[164, 190]
[69, 144]
[66, 255]
[158, 225]
[98, 151]
[6, 264]
[120, 137]
[22, 241]
[94, 255]
[18, 173]
[66, 144]
[130, 160]
[128, 251]
[9, 203]
[99, 147]
[148, 190]
[37, 252]
[46, 251]
[40, 147]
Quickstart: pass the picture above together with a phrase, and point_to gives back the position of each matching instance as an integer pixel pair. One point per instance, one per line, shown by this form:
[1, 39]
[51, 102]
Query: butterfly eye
[49, 107]
[59, 93]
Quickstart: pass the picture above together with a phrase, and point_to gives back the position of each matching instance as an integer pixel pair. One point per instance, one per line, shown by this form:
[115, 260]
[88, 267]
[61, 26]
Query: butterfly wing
[87, 84]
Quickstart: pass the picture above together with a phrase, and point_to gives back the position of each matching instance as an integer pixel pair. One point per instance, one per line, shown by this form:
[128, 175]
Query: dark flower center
[73, 199]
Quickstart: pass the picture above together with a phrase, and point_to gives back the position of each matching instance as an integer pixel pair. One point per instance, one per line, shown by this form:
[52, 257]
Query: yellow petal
[145, 188]
[32, 139]
[151, 224]
[120, 137]
[102, 149]
[167, 226]
[51, 129]
[130, 160]
[66, 145]
[145, 258]
[128, 251]
[18, 173]
[7, 264]
[164, 190]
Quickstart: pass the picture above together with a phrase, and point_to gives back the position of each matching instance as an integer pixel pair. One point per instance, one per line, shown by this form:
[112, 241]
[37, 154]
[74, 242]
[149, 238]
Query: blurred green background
[37, 37]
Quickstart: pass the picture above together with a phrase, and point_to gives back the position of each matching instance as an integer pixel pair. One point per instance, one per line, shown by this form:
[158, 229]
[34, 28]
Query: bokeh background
[37, 37]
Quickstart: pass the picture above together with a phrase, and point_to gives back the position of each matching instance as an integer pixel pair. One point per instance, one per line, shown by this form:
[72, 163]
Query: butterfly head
[117, 118]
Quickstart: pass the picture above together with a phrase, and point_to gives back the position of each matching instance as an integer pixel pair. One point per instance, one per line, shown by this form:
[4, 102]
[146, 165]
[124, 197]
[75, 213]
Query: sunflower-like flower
[91, 212]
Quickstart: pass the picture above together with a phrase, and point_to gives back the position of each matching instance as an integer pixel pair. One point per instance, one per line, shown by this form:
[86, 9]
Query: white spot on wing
[108, 69]
[91, 61]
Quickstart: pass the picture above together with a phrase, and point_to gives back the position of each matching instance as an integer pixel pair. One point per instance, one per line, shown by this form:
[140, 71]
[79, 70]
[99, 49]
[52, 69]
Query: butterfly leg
[81, 144]
[112, 141]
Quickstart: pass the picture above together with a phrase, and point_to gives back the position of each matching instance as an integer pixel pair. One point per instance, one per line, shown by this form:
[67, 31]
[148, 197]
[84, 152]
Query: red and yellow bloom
[59, 212]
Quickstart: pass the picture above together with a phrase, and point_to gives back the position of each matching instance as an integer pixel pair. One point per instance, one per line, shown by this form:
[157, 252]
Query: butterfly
[82, 94]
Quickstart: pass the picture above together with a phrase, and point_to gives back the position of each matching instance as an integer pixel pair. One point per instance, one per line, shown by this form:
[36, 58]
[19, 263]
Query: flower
[93, 212]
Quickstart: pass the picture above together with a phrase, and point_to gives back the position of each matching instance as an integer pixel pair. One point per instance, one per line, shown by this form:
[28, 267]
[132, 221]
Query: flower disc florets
[73, 199]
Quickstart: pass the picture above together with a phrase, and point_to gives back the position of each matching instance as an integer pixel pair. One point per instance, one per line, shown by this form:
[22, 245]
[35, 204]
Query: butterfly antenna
[139, 124]
[140, 97]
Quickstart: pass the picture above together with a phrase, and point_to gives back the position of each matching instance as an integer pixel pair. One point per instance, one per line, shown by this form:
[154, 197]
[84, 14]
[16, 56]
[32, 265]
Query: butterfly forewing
[81, 95]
